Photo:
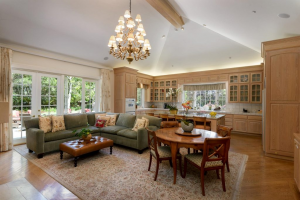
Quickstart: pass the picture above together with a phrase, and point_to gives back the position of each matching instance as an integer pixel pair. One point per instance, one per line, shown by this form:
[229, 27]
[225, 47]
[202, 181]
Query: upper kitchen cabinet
[244, 78]
[161, 83]
[174, 83]
[233, 93]
[244, 93]
[168, 84]
[156, 84]
[234, 78]
[282, 72]
[256, 77]
[256, 89]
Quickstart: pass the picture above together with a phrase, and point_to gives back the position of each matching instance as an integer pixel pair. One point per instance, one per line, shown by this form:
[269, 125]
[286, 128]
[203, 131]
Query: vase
[173, 112]
[187, 128]
[87, 138]
[186, 112]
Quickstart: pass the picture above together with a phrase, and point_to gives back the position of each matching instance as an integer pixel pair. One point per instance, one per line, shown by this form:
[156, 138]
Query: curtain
[6, 134]
[218, 86]
[105, 90]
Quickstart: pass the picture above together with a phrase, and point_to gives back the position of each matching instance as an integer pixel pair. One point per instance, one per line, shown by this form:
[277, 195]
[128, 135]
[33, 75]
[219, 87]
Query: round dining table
[194, 140]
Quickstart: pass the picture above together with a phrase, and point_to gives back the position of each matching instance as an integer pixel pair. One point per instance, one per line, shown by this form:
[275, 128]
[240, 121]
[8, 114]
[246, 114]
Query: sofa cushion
[91, 117]
[75, 120]
[58, 123]
[126, 120]
[152, 128]
[112, 129]
[153, 121]
[92, 128]
[59, 135]
[128, 133]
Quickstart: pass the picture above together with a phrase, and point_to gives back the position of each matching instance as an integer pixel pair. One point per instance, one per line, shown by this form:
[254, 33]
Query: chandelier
[129, 41]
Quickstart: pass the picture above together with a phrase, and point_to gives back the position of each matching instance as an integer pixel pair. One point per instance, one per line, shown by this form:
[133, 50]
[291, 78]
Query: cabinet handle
[296, 146]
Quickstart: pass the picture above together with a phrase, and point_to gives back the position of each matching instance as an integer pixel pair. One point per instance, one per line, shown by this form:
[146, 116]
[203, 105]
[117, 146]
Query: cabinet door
[156, 95]
[234, 78]
[297, 163]
[161, 83]
[156, 84]
[174, 96]
[240, 125]
[233, 93]
[127, 90]
[244, 78]
[162, 94]
[151, 95]
[151, 84]
[168, 84]
[254, 126]
[168, 98]
[244, 93]
[256, 93]
[174, 83]
[256, 77]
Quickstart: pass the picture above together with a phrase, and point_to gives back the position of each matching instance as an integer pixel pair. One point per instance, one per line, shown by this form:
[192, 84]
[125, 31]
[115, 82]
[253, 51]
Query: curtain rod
[55, 58]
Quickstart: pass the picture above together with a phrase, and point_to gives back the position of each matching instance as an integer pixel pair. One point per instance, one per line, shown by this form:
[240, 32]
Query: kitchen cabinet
[161, 83]
[156, 95]
[240, 125]
[174, 83]
[244, 123]
[233, 78]
[168, 98]
[256, 77]
[256, 96]
[244, 78]
[244, 93]
[254, 126]
[168, 83]
[151, 84]
[156, 84]
[282, 72]
[297, 159]
[233, 93]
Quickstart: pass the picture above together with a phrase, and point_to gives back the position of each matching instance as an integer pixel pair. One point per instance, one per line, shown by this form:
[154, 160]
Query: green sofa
[121, 133]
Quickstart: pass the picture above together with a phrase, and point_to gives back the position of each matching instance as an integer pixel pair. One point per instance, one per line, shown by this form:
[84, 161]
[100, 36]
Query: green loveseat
[121, 133]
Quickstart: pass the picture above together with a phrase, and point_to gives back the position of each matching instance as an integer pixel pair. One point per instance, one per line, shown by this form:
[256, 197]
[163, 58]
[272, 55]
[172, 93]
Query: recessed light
[105, 58]
[163, 36]
[204, 25]
[182, 28]
[284, 15]
[254, 11]
[229, 57]
[176, 29]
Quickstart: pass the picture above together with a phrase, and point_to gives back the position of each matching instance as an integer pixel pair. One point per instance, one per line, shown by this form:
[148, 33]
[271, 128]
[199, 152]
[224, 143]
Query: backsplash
[232, 107]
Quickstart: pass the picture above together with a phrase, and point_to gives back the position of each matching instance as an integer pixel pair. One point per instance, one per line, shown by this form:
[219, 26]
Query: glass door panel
[48, 95]
[90, 96]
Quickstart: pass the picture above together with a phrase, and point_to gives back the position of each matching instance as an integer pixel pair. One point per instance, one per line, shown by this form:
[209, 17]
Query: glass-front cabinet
[256, 92]
[256, 77]
[168, 83]
[161, 94]
[174, 83]
[233, 93]
[161, 83]
[156, 84]
[156, 95]
[151, 95]
[233, 78]
[168, 98]
[244, 93]
[244, 78]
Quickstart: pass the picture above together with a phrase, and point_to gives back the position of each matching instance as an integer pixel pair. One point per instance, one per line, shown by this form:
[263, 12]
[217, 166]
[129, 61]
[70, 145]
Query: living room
[90, 89]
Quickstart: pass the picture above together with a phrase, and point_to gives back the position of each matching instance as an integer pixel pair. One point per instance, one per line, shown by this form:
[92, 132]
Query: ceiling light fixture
[204, 25]
[163, 36]
[182, 28]
[284, 15]
[130, 40]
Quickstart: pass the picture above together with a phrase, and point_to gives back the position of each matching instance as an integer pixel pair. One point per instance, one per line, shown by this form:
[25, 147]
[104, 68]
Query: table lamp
[4, 112]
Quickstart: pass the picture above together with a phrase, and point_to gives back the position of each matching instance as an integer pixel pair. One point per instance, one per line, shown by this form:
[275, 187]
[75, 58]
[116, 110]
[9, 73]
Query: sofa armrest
[142, 139]
[35, 139]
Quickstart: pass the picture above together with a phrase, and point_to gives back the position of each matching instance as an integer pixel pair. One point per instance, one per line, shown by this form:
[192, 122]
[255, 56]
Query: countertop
[201, 111]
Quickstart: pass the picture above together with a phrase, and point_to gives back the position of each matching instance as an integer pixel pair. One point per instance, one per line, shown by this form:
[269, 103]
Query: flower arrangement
[173, 93]
[186, 106]
[213, 114]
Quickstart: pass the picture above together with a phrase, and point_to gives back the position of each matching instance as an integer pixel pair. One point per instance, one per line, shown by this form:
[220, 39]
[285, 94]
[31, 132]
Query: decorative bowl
[187, 128]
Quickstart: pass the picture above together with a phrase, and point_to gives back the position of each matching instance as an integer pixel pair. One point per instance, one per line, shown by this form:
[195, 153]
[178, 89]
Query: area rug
[125, 175]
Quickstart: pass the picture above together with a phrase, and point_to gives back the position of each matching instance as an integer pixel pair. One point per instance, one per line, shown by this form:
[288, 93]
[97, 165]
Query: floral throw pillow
[58, 123]
[100, 123]
[147, 121]
[140, 123]
[106, 118]
[45, 124]
[112, 121]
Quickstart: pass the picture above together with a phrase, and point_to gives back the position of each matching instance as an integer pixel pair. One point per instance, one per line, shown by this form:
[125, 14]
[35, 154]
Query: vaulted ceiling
[231, 38]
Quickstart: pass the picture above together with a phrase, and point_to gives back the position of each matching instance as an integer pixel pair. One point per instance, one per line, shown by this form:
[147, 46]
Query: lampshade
[143, 32]
[141, 39]
[117, 29]
[112, 39]
[121, 25]
[130, 23]
[4, 117]
[119, 37]
[138, 18]
[109, 44]
[130, 37]
[121, 19]
[147, 43]
[140, 27]
[127, 14]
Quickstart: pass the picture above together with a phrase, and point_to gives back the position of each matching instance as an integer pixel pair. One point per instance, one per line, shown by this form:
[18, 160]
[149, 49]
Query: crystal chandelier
[129, 42]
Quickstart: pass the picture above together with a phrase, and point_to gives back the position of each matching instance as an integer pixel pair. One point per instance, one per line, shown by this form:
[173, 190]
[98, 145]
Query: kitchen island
[219, 119]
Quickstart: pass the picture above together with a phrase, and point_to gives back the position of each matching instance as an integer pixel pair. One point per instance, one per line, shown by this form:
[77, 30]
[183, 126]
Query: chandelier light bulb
[130, 37]
[140, 27]
[149, 47]
[143, 32]
[117, 29]
[115, 46]
[112, 38]
[121, 19]
[127, 14]
[121, 25]
[138, 18]
[130, 23]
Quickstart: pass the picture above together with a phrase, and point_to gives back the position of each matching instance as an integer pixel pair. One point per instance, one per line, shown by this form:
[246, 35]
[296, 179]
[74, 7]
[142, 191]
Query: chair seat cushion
[163, 152]
[59, 135]
[112, 129]
[197, 159]
[92, 128]
[128, 133]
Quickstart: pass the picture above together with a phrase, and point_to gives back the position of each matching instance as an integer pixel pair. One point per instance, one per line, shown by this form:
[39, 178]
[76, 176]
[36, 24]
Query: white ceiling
[81, 29]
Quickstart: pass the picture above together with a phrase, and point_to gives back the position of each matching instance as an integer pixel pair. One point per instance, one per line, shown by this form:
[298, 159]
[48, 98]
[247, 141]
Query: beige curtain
[218, 86]
[5, 96]
[105, 90]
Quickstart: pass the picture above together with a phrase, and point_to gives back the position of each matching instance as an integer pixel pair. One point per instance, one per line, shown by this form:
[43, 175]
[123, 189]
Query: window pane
[45, 90]
[53, 100]
[73, 91]
[27, 79]
[53, 91]
[53, 81]
[45, 100]
[53, 110]
[45, 110]
[17, 100]
[45, 81]
[17, 90]
[26, 100]
[17, 78]
[26, 89]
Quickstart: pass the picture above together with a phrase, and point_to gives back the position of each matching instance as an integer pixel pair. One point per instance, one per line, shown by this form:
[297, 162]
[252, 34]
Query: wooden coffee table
[77, 148]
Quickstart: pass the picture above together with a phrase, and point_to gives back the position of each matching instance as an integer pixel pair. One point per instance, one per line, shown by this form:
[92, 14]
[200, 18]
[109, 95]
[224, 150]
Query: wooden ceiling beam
[166, 9]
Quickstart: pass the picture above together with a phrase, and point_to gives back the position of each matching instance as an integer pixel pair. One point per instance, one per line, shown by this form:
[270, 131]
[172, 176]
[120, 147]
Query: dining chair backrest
[152, 141]
[169, 124]
[164, 117]
[221, 151]
[200, 119]
[150, 114]
[224, 130]
[179, 117]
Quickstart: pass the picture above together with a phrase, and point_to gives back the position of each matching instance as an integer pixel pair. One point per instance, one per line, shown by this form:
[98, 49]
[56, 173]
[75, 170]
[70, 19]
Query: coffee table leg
[61, 154]
[111, 149]
[75, 161]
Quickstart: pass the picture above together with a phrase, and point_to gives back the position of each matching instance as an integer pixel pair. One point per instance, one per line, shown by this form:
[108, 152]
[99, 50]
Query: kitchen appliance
[130, 106]
[245, 110]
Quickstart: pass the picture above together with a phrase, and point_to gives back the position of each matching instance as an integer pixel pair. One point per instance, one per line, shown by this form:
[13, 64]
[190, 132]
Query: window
[204, 97]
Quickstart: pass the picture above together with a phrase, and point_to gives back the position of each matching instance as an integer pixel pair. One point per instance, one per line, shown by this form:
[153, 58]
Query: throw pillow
[112, 121]
[98, 115]
[106, 118]
[147, 121]
[45, 124]
[100, 123]
[140, 123]
[58, 123]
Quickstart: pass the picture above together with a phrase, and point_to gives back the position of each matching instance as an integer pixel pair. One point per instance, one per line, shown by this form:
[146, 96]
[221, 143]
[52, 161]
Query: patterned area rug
[125, 175]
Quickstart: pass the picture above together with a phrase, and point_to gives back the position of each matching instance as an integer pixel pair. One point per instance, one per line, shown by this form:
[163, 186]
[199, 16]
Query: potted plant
[187, 106]
[84, 133]
[174, 94]
[187, 126]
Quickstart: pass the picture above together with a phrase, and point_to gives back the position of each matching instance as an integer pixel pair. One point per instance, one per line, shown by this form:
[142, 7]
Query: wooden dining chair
[201, 123]
[150, 114]
[179, 118]
[164, 117]
[160, 153]
[169, 124]
[206, 161]
[225, 131]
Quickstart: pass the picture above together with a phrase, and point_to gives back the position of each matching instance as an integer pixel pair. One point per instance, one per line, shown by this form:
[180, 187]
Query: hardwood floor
[264, 178]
